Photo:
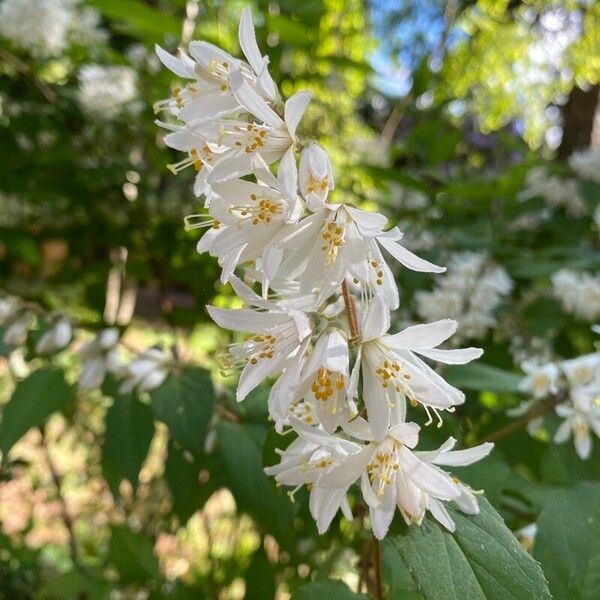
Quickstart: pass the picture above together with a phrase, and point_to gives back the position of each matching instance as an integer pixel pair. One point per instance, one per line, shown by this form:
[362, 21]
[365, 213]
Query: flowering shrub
[326, 425]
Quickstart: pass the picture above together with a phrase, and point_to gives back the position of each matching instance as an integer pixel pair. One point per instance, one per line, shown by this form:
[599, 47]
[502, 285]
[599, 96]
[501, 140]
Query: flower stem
[377, 567]
[350, 311]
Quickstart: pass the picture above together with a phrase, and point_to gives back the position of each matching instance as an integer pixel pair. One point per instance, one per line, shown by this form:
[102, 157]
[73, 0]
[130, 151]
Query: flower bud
[315, 172]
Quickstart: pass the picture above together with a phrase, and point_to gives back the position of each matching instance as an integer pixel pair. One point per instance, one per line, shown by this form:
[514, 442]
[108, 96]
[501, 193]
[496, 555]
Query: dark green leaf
[568, 542]
[183, 474]
[327, 590]
[132, 554]
[240, 450]
[129, 432]
[34, 399]
[482, 560]
[481, 377]
[185, 403]
[260, 578]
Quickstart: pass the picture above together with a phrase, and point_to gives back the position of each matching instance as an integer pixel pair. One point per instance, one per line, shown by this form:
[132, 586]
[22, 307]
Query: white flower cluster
[105, 91]
[470, 292]
[578, 380]
[586, 164]
[45, 28]
[99, 356]
[579, 293]
[556, 191]
[321, 324]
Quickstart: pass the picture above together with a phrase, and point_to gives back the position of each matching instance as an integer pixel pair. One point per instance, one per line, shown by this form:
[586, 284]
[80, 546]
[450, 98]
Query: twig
[23, 68]
[65, 516]
[350, 311]
[377, 568]
[537, 411]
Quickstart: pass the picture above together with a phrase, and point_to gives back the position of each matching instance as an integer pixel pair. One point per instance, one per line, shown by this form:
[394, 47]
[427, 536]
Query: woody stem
[350, 311]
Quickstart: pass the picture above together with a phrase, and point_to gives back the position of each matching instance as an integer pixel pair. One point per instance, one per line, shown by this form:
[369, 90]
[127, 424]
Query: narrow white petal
[563, 433]
[422, 337]
[382, 515]
[377, 319]
[407, 258]
[348, 471]
[458, 356]
[583, 444]
[439, 512]
[294, 109]
[459, 458]
[253, 102]
[173, 63]
[245, 319]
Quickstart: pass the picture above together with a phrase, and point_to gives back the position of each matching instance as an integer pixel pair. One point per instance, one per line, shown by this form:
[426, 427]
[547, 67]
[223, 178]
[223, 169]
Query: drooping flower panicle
[320, 268]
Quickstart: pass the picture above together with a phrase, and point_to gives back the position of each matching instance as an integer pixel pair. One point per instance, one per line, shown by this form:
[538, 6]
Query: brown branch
[65, 515]
[377, 568]
[350, 311]
[537, 411]
[23, 68]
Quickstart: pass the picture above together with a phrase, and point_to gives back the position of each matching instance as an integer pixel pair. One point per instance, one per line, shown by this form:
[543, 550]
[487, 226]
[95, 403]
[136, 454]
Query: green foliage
[185, 404]
[34, 399]
[325, 591]
[568, 542]
[129, 431]
[132, 554]
[481, 560]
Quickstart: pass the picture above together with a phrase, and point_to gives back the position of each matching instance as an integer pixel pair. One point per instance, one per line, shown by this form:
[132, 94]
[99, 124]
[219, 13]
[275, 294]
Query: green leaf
[129, 432]
[240, 451]
[327, 590]
[75, 585]
[132, 554]
[34, 399]
[260, 578]
[567, 543]
[481, 560]
[481, 377]
[138, 18]
[401, 585]
[182, 474]
[185, 403]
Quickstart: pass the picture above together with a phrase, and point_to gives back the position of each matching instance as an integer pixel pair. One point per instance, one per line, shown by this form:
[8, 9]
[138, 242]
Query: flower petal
[458, 356]
[294, 109]
[407, 258]
[422, 337]
[253, 102]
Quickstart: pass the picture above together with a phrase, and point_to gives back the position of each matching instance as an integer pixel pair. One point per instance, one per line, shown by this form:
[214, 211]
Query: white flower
[393, 475]
[541, 380]
[210, 95]
[321, 381]
[8, 307]
[392, 371]
[583, 370]
[470, 292]
[279, 334]
[336, 241]
[555, 190]
[586, 164]
[99, 356]
[106, 90]
[579, 419]
[17, 328]
[145, 372]
[316, 176]
[39, 26]
[247, 215]
[579, 293]
[56, 338]
[307, 459]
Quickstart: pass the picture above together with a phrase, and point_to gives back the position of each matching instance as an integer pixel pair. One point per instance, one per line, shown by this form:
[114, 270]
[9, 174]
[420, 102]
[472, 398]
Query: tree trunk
[578, 121]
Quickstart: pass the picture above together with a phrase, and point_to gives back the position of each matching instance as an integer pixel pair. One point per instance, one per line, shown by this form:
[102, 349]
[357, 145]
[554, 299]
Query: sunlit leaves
[481, 560]
[35, 398]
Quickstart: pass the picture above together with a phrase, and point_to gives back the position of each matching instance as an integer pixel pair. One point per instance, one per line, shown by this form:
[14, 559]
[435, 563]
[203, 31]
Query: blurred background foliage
[435, 112]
